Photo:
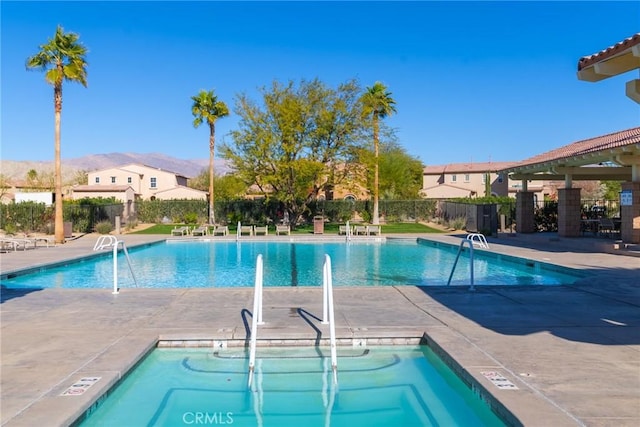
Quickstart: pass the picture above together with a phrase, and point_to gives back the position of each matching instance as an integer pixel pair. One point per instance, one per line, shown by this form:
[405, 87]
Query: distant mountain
[189, 168]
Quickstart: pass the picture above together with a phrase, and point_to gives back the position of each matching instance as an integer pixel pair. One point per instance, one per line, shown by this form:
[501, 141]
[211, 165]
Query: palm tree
[378, 103]
[61, 58]
[207, 108]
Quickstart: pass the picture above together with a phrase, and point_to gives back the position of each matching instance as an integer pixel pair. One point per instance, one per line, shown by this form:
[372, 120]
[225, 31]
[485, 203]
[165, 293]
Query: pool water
[205, 264]
[377, 386]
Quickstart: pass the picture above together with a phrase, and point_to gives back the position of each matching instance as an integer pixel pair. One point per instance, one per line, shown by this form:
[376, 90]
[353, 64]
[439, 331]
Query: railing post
[462, 242]
[115, 269]
[256, 318]
[327, 293]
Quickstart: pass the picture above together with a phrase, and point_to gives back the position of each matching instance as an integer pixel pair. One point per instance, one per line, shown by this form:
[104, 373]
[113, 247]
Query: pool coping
[514, 407]
[446, 320]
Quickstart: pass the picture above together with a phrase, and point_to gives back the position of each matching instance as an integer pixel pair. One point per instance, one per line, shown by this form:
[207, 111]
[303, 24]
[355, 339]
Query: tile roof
[599, 144]
[625, 44]
[467, 167]
[101, 188]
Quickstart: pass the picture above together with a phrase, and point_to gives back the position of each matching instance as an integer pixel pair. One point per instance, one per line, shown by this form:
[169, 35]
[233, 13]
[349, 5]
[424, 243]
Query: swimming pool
[377, 386]
[204, 264]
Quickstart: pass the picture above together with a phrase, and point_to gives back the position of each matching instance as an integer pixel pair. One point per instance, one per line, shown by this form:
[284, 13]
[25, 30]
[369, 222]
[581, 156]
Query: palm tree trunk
[376, 144]
[59, 222]
[212, 145]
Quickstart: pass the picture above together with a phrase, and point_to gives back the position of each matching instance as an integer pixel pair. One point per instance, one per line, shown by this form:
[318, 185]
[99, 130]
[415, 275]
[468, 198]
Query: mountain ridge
[18, 169]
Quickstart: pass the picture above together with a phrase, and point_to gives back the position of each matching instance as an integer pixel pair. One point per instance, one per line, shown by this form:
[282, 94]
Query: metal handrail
[328, 313]
[256, 317]
[479, 239]
[106, 242]
[462, 242]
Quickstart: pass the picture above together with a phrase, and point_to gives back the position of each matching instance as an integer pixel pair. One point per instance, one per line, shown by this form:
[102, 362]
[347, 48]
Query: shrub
[458, 223]
[103, 227]
[190, 218]
[131, 225]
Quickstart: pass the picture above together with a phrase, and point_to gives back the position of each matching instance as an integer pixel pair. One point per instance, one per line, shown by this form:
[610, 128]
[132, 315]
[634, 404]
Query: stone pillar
[525, 218]
[630, 214]
[569, 207]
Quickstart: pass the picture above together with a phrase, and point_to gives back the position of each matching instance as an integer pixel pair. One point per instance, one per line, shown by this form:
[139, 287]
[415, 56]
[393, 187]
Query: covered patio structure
[614, 157]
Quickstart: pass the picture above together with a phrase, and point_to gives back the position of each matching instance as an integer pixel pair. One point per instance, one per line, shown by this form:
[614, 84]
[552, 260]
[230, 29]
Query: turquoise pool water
[174, 264]
[377, 386]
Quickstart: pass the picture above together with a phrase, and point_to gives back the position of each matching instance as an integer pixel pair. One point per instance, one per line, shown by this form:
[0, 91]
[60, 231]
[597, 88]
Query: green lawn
[329, 228]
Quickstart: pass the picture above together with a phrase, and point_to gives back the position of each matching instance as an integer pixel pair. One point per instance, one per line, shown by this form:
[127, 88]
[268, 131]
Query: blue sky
[473, 81]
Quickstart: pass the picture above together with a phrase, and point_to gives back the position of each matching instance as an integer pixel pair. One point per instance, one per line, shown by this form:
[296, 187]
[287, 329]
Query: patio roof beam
[595, 171]
[575, 177]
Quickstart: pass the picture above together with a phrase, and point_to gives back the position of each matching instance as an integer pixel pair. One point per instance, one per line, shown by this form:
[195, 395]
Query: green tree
[32, 178]
[62, 58]
[80, 177]
[300, 141]
[612, 190]
[5, 185]
[207, 109]
[228, 187]
[378, 104]
[400, 174]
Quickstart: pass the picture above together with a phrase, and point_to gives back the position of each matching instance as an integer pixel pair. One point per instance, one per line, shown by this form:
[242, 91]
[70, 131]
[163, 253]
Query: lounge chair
[282, 229]
[360, 229]
[180, 231]
[246, 229]
[7, 245]
[374, 229]
[342, 229]
[17, 243]
[46, 240]
[202, 230]
[261, 230]
[220, 230]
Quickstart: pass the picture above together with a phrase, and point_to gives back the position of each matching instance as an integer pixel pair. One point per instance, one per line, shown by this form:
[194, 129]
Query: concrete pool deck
[573, 352]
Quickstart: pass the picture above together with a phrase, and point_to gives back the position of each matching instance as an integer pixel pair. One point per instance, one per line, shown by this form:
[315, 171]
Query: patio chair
[180, 231]
[220, 230]
[360, 229]
[374, 229]
[606, 227]
[342, 229]
[258, 229]
[7, 245]
[202, 230]
[282, 229]
[246, 229]
[17, 243]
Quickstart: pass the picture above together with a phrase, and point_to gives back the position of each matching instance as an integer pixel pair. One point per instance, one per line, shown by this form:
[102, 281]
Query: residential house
[133, 182]
[470, 180]
[148, 183]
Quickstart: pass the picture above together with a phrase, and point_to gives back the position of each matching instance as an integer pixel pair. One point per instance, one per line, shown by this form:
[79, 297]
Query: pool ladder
[111, 242]
[478, 239]
[328, 316]
[470, 243]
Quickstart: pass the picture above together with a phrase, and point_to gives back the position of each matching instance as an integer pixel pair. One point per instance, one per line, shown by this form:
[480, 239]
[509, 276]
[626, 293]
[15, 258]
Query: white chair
[374, 229]
[221, 230]
[261, 230]
[180, 231]
[360, 229]
[246, 229]
[282, 229]
[202, 230]
[343, 229]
